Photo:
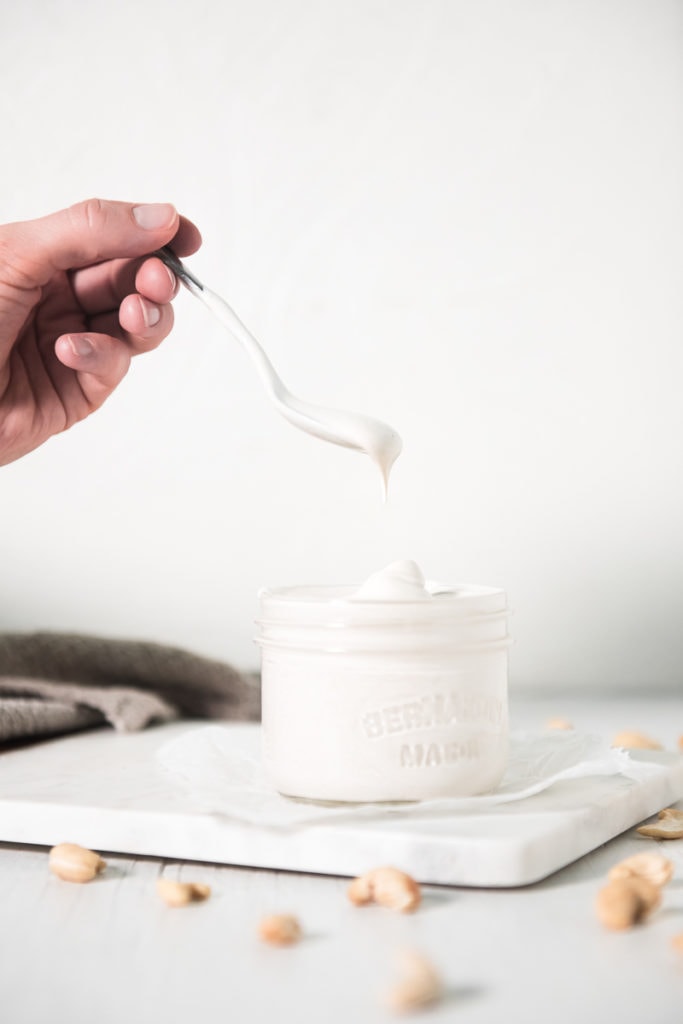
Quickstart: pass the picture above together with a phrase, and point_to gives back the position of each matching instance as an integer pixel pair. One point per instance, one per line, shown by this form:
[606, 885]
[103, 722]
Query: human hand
[79, 296]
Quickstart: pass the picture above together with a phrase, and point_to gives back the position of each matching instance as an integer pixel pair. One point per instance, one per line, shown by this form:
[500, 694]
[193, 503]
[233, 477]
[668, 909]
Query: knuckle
[89, 214]
[87, 224]
[17, 268]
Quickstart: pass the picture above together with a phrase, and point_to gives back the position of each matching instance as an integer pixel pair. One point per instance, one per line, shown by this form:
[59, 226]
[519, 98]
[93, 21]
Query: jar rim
[316, 594]
[334, 607]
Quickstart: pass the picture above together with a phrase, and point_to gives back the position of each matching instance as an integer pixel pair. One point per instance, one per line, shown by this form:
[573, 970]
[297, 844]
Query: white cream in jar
[393, 690]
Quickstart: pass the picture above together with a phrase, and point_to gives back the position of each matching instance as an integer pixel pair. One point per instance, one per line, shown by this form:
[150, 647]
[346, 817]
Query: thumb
[89, 232]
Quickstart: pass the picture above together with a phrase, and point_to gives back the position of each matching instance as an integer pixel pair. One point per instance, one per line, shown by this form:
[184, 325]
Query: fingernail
[154, 215]
[80, 346]
[171, 275]
[150, 314]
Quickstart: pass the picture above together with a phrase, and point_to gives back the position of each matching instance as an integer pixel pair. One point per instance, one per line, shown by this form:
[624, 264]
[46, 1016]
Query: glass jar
[384, 700]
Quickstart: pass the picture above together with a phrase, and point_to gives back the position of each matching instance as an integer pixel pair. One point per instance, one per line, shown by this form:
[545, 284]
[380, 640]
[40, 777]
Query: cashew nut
[75, 863]
[654, 867]
[280, 929]
[419, 985]
[179, 894]
[669, 825]
[626, 901]
[558, 723]
[635, 741]
[387, 886]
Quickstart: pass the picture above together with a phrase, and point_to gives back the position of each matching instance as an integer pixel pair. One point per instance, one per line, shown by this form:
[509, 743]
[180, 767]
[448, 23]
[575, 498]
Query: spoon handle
[227, 316]
[167, 256]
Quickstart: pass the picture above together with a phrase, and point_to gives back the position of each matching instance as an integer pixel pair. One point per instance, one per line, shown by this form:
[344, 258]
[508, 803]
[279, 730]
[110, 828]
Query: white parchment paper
[222, 772]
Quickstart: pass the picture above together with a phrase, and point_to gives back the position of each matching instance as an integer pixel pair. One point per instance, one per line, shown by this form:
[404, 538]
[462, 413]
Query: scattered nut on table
[669, 825]
[654, 867]
[677, 942]
[179, 894]
[387, 886]
[559, 723]
[635, 741]
[626, 902]
[280, 929]
[75, 863]
[419, 984]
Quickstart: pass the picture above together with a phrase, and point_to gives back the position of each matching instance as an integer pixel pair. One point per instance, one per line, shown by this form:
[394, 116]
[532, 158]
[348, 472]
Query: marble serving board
[107, 791]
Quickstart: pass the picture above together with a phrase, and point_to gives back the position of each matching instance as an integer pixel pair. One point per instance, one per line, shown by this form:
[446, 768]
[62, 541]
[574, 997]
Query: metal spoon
[350, 430]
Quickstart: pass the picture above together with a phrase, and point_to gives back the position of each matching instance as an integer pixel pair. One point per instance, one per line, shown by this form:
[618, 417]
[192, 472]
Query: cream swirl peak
[399, 581]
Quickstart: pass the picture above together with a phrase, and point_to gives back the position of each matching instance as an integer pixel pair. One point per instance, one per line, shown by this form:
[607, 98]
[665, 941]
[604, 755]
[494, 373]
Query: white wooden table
[111, 952]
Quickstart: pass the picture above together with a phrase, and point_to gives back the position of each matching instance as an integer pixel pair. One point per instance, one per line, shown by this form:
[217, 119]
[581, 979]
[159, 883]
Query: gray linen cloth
[57, 682]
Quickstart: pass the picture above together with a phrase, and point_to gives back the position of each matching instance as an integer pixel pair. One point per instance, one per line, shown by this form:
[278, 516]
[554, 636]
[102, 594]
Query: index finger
[103, 286]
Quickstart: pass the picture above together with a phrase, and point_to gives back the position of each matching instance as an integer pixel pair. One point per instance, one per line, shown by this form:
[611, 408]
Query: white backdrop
[462, 217]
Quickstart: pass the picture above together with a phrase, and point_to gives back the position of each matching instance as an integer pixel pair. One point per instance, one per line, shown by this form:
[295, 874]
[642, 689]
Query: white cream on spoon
[350, 430]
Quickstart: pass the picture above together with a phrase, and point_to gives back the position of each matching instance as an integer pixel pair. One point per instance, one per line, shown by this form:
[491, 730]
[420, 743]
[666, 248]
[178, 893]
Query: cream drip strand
[350, 430]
